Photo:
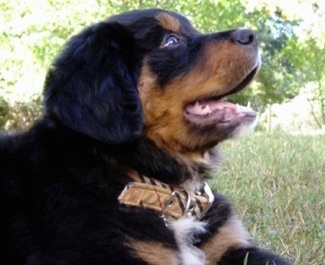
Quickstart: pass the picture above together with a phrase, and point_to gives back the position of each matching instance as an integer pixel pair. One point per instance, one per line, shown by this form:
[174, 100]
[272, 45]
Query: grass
[277, 185]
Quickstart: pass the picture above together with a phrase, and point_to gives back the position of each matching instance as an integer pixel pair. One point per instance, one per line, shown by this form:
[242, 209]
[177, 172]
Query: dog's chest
[187, 231]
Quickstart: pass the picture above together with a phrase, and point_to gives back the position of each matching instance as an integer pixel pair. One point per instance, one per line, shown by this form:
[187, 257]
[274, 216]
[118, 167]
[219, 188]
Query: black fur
[60, 180]
[102, 57]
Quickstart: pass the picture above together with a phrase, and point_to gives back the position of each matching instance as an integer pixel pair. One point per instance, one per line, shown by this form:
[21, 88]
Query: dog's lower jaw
[245, 128]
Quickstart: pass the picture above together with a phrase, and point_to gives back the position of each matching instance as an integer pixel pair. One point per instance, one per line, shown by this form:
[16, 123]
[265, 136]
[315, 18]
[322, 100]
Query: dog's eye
[171, 40]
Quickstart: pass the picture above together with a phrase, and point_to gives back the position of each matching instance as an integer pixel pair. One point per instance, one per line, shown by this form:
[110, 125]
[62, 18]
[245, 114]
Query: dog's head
[149, 72]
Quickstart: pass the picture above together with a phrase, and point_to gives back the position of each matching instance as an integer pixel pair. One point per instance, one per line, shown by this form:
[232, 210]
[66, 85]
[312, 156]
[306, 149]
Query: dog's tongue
[210, 106]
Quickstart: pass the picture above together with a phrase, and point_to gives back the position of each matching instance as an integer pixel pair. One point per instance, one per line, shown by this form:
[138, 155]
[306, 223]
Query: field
[277, 185]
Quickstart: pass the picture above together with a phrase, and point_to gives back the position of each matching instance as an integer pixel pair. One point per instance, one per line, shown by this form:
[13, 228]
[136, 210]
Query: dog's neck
[186, 170]
[199, 167]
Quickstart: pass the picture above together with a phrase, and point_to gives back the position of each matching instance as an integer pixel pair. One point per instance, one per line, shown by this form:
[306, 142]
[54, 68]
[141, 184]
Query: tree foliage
[32, 35]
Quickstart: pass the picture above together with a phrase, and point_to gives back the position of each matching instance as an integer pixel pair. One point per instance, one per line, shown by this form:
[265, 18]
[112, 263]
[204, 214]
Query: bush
[4, 110]
[20, 115]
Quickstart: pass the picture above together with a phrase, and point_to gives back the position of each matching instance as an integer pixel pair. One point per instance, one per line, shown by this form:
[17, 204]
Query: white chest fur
[185, 230]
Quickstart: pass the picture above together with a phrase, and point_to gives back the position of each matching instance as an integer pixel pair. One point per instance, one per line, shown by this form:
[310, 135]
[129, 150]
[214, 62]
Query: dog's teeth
[208, 110]
[248, 104]
[197, 107]
[197, 104]
[205, 110]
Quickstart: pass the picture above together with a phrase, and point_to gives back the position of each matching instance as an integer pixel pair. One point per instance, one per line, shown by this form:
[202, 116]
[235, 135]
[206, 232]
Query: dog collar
[169, 201]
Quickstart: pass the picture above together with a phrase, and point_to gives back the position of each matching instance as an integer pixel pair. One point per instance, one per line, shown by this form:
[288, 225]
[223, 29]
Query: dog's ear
[92, 85]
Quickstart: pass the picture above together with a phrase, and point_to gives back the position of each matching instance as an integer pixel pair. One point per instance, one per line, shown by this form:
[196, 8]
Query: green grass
[277, 185]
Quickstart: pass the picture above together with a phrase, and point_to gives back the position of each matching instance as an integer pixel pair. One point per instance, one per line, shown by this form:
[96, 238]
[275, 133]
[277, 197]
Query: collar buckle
[190, 204]
[207, 193]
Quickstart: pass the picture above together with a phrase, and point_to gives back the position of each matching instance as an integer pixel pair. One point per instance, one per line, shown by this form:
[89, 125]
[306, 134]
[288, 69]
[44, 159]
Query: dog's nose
[244, 36]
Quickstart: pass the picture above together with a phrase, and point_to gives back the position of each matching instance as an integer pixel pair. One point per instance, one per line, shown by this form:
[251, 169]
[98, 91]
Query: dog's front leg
[228, 242]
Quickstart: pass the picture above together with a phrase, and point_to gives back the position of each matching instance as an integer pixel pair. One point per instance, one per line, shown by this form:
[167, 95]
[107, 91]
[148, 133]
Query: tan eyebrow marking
[168, 22]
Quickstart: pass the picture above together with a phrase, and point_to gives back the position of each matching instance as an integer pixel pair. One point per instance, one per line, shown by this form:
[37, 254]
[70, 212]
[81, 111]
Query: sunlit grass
[277, 185]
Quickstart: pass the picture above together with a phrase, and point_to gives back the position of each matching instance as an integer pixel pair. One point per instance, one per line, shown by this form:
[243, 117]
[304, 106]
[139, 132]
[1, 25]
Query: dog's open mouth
[217, 111]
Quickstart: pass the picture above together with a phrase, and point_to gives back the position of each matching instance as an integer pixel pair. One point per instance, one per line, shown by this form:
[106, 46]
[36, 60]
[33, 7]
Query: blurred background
[289, 92]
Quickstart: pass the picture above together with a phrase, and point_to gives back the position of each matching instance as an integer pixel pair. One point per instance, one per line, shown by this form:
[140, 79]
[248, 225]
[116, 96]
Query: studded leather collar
[169, 201]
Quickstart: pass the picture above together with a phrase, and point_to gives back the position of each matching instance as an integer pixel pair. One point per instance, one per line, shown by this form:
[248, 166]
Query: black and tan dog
[115, 170]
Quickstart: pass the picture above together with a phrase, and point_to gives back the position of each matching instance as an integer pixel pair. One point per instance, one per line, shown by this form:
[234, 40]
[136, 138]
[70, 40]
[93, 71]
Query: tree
[306, 52]
[309, 60]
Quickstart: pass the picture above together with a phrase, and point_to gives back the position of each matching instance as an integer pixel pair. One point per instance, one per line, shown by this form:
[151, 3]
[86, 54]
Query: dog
[115, 170]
